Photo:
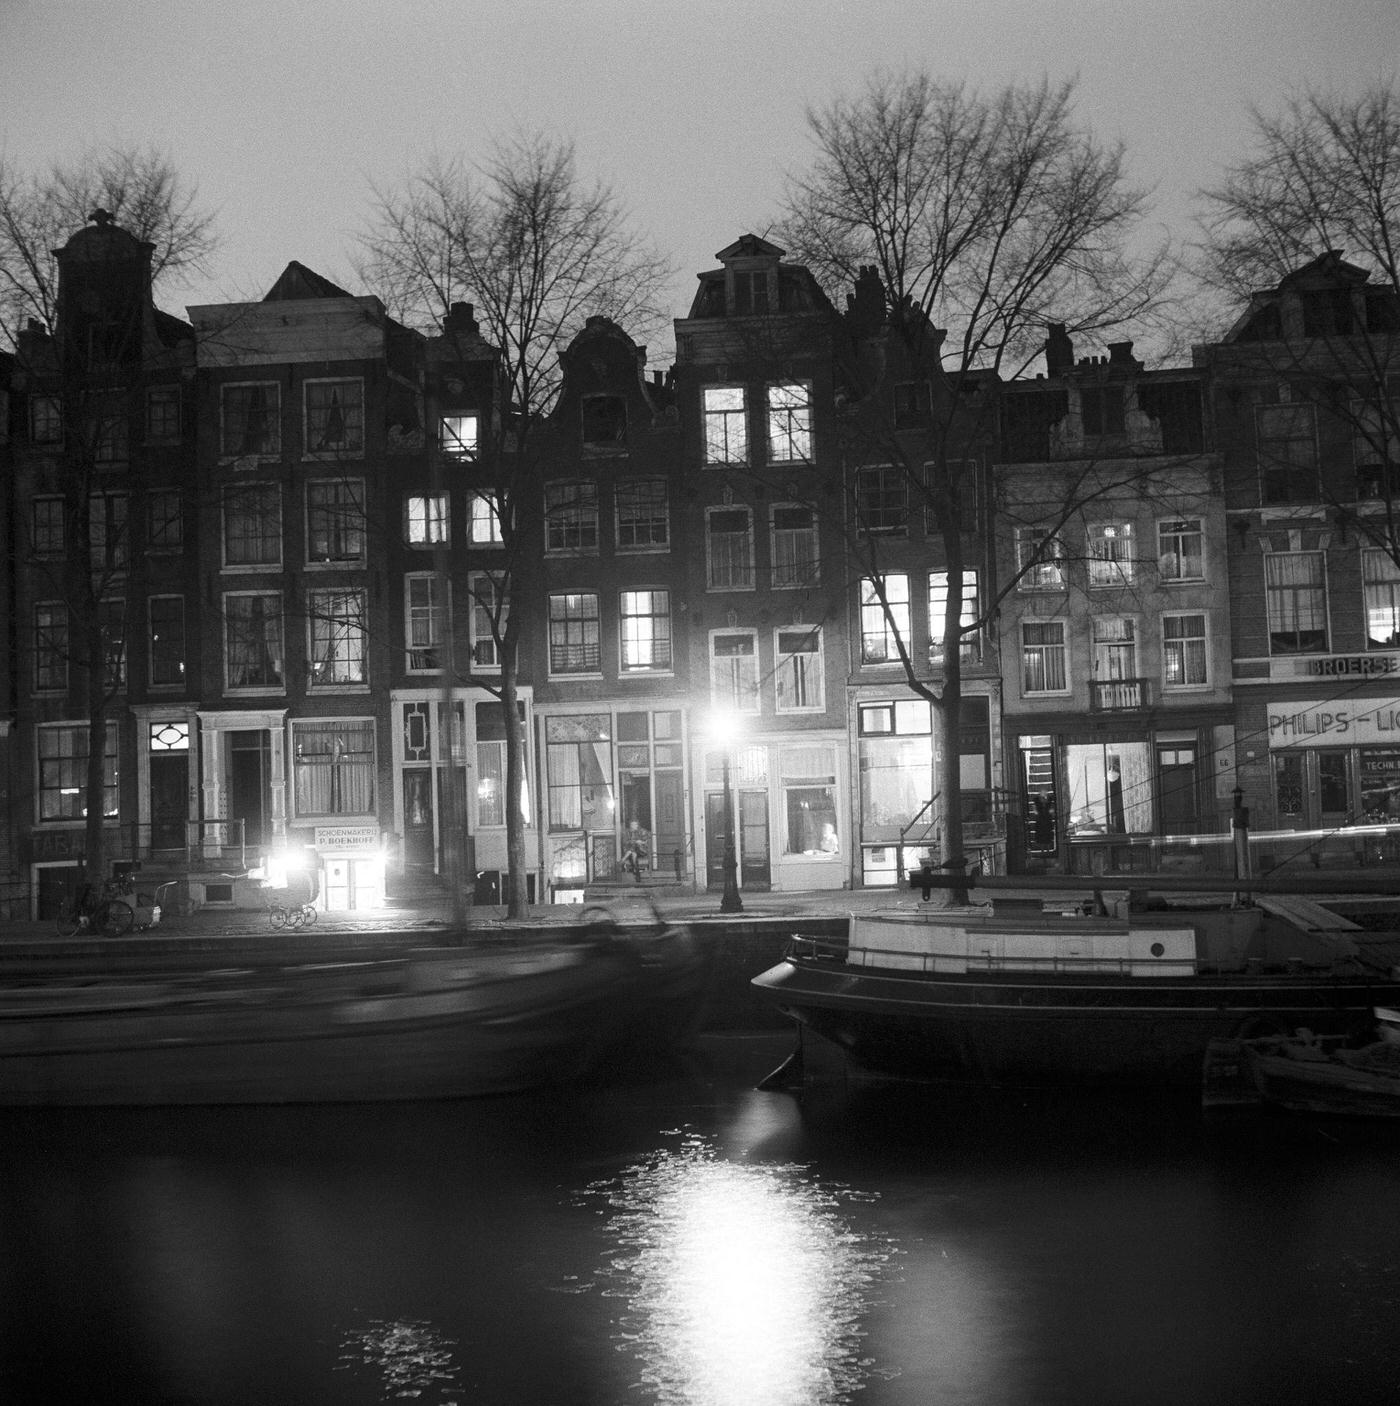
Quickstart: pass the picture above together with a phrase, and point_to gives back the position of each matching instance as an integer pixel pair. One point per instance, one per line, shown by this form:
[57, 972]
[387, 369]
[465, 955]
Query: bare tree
[536, 248]
[974, 220]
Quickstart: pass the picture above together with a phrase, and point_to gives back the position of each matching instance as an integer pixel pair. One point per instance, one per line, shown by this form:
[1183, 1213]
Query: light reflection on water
[412, 1360]
[744, 1284]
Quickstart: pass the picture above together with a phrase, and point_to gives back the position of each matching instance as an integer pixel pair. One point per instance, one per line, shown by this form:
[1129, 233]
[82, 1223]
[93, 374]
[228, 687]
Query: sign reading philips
[1331, 723]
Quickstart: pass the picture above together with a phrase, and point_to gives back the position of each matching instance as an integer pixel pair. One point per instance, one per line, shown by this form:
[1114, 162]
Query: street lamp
[724, 728]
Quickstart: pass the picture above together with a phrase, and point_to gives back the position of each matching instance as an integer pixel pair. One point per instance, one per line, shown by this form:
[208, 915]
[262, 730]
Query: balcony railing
[1117, 695]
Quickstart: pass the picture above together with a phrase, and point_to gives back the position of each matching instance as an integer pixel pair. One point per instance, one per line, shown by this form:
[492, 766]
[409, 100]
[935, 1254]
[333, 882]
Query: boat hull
[1046, 1028]
[438, 1025]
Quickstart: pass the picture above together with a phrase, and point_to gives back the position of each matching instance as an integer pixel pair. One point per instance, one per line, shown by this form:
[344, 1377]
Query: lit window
[251, 420]
[253, 640]
[729, 549]
[1111, 553]
[335, 417]
[1381, 578]
[458, 436]
[333, 767]
[63, 764]
[726, 428]
[884, 617]
[1184, 658]
[646, 630]
[335, 520]
[800, 682]
[426, 520]
[487, 623]
[789, 423]
[1295, 587]
[1181, 550]
[336, 627]
[1044, 666]
[484, 523]
[1039, 560]
[808, 782]
[574, 634]
[423, 622]
[1115, 648]
[970, 646]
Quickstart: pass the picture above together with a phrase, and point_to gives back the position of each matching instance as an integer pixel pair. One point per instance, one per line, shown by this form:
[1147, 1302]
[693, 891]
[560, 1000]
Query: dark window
[604, 420]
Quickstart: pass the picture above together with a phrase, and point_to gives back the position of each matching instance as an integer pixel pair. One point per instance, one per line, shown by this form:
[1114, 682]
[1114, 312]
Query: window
[1043, 661]
[1287, 441]
[110, 433]
[487, 622]
[578, 752]
[882, 498]
[337, 637]
[1295, 587]
[604, 421]
[574, 634]
[571, 517]
[423, 622]
[46, 419]
[457, 436]
[726, 428]
[335, 417]
[970, 641]
[333, 767]
[335, 520]
[112, 616]
[1381, 582]
[483, 522]
[734, 671]
[251, 419]
[165, 616]
[1181, 550]
[1111, 553]
[1115, 648]
[896, 765]
[50, 647]
[807, 776]
[794, 547]
[801, 687]
[728, 549]
[1040, 560]
[426, 520]
[47, 532]
[911, 404]
[63, 761]
[490, 784]
[163, 415]
[881, 631]
[789, 424]
[646, 630]
[643, 518]
[751, 292]
[1376, 445]
[164, 521]
[252, 525]
[107, 539]
[1103, 410]
[253, 640]
[1184, 658]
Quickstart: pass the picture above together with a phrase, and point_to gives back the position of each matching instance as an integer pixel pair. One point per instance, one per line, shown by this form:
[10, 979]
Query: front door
[418, 818]
[714, 839]
[755, 867]
[250, 767]
[170, 779]
[670, 823]
[1176, 789]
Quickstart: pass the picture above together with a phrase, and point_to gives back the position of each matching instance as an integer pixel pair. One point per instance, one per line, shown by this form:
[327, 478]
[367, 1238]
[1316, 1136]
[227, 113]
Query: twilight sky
[282, 113]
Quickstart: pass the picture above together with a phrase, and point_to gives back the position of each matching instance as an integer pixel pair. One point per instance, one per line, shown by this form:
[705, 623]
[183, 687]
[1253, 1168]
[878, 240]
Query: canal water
[683, 1238]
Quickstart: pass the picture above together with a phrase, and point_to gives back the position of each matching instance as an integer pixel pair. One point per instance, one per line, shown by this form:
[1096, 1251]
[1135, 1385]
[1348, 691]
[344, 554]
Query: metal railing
[193, 845]
[1117, 695]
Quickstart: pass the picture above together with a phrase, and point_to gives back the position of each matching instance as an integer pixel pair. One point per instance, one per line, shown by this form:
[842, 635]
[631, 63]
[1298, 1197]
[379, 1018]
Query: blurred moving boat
[486, 1017]
[1130, 994]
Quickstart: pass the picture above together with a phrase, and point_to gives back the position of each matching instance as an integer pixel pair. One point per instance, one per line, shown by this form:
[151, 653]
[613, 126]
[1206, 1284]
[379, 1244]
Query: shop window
[1381, 582]
[490, 785]
[1181, 550]
[725, 413]
[333, 767]
[578, 753]
[896, 765]
[63, 764]
[807, 776]
[1110, 788]
[789, 424]
[1380, 786]
[884, 618]
[1296, 593]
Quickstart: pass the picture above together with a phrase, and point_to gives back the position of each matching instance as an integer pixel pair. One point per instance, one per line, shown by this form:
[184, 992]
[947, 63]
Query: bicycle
[289, 915]
[104, 912]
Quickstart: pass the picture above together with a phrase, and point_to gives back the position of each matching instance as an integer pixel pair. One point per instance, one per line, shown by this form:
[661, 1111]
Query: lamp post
[723, 730]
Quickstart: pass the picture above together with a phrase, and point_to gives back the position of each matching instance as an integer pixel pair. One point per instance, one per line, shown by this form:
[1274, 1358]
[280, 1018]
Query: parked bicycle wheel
[309, 914]
[114, 918]
[69, 920]
[295, 917]
[277, 916]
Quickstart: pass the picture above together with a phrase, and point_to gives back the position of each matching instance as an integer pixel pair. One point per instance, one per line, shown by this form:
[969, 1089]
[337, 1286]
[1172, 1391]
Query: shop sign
[1334, 723]
[1354, 666]
[332, 838]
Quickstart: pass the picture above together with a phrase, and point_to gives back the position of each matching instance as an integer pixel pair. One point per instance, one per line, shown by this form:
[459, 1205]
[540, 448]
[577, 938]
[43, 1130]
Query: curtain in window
[335, 769]
[1296, 598]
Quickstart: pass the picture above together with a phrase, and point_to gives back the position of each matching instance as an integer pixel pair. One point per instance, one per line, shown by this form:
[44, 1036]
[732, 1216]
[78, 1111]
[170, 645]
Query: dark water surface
[685, 1238]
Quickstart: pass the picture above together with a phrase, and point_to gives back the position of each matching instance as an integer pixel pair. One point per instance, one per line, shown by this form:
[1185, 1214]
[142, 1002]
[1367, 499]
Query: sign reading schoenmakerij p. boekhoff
[1335, 722]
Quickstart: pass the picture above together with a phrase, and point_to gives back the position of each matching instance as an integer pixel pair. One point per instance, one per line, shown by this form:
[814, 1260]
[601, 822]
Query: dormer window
[604, 421]
[751, 297]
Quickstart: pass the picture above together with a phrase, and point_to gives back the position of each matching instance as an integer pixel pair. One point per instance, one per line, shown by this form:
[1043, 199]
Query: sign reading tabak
[1335, 723]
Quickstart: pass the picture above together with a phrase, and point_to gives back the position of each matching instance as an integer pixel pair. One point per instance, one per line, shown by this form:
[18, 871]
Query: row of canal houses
[1176, 587]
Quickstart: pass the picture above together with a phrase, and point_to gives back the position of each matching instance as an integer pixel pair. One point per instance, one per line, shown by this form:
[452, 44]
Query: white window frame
[342, 635]
[788, 417]
[1277, 607]
[652, 651]
[1179, 648]
[874, 624]
[1048, 574]
[1380, 596]
[591, 668]
[480, 636]
[799, 671]
[734, 686]
[279, 659]
[459, 435]
[1171, 557]
[482, 514]
[724, 427]
[743, 579]
[345, 523]
[1112, 557]
[1047, 647]
[427, 519]
[571, 518]
[301, 728]
[435, 612]
[151, 679]
[790, 570]
[640, 507]
[270, 494]
[271, 447]
[354, 422]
